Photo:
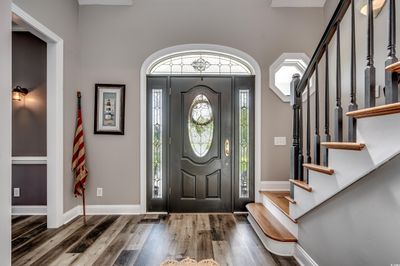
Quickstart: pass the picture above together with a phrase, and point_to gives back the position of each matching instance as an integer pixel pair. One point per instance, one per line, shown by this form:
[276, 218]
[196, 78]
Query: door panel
[200, 123]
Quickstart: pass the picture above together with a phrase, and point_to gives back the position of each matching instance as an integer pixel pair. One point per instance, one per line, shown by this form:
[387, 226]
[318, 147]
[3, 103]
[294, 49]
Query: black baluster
[317, 138]
[370, 73]
[308, 124]
[327, 136]
[338, 108]
[391, 78]
[294, 151]
[301, 145]
[353, 90]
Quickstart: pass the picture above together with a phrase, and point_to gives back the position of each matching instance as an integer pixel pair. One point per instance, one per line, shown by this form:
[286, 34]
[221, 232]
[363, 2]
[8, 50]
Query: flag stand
[84, 206]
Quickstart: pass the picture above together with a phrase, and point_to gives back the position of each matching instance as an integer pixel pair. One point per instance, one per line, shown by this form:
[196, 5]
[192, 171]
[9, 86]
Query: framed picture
[109, 109]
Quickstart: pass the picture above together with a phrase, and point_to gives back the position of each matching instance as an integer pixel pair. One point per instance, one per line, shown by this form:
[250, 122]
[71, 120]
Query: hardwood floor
[140, 240]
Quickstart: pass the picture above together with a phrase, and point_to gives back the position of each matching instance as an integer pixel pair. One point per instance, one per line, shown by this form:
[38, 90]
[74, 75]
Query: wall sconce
[377, 6]
[18, 93]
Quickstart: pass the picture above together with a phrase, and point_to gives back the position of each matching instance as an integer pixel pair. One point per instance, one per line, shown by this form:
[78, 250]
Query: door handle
[227, 148]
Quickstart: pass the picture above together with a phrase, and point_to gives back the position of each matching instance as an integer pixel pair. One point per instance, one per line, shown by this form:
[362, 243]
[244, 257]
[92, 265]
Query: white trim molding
[302, 257]
[275, 186]
[29, 160]
[102, 210]
[29, 210]
[106, 2]
[55, 117]
[298, 3]
[143, 117]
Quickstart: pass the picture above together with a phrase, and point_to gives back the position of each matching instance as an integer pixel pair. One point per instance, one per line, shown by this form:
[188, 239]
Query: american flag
[78, 155]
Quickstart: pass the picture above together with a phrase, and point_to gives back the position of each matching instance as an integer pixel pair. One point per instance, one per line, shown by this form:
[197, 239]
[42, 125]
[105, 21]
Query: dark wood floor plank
[72, 239]
[127, 257]
[42, 243]
[204, 245]
[28, 224]
[18, 218]
[19, 241]
[95, 250]
[111, 253]
[95, 233]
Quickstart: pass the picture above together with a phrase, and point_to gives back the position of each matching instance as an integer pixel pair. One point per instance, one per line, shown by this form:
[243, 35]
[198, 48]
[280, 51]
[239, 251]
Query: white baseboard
[275, 186]
[29, 210]
[102, 210]
[302, 257]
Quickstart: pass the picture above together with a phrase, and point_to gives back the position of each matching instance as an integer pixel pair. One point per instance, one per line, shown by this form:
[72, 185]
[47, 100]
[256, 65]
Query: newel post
[296, 162]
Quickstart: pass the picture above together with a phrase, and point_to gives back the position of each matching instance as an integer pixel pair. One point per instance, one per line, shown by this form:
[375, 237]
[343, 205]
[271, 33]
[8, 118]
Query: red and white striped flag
[78, 155]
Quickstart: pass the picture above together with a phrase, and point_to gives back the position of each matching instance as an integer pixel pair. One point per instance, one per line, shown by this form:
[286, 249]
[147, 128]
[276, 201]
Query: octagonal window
[282, 71]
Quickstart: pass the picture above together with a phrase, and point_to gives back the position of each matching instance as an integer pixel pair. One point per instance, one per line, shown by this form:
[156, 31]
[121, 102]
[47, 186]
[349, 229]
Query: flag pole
[83, 189]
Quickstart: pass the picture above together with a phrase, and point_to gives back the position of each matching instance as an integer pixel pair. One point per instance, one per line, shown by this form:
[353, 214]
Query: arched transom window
[200, 63]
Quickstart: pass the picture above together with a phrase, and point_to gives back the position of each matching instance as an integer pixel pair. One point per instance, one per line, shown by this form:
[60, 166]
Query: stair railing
[300, 86]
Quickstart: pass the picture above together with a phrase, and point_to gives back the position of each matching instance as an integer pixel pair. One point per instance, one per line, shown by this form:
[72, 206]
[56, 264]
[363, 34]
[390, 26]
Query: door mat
[190, 262]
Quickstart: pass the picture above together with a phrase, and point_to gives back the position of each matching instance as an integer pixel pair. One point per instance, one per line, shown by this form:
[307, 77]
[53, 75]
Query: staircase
[323, 166]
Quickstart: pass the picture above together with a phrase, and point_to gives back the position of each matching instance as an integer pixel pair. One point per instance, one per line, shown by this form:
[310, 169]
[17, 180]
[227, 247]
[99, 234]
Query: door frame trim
[143, 108]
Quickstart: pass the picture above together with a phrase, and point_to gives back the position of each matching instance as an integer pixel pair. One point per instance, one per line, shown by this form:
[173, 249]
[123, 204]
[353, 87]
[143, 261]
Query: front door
[200, 153]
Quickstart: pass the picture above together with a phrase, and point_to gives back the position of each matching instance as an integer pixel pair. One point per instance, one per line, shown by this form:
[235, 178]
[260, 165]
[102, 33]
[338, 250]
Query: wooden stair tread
[394, 67]
[319, 168]
[301, 184]
[386, 109]
[271, 227]
[290, 199]
[344, 145]
[278, 198]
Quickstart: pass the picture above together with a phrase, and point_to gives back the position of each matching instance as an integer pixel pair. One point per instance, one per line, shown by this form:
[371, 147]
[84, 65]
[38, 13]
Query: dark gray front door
[200, 151]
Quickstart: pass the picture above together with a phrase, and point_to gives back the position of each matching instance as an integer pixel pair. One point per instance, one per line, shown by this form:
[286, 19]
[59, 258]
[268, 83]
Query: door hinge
[170, 191]
[169, 141]
[170, 91]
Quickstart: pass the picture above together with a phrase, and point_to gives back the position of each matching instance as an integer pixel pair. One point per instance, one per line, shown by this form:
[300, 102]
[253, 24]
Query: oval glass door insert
[201, 125]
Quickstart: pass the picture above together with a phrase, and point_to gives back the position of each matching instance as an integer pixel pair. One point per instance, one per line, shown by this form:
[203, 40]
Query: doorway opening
[200, 132]
[52, 162]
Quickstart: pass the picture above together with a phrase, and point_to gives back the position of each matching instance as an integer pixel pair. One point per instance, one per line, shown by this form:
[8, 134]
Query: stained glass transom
[157, 145]
[201, 63]
[244, 175]
[200, 125]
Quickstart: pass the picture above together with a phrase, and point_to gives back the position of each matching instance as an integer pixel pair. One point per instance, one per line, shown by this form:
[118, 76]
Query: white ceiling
[274, 3]
[298, 3]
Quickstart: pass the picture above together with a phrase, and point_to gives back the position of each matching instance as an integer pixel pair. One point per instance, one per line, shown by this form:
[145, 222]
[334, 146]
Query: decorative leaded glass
[200, 125]
[201, 62]
[244, 175]
[157, 144]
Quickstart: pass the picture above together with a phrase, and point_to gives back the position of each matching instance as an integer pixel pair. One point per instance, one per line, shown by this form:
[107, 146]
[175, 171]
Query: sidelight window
[244, 154]
[157, 145]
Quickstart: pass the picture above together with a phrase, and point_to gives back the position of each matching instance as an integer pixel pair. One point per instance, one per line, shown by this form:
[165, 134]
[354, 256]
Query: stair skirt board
[381, 146]
[291, 226]
[273, 246]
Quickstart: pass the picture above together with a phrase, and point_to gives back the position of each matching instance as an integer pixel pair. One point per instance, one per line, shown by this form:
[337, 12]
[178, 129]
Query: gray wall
[360, 226]
[31, 179]
[5, 132]
[61, 16]
[116, 40]
[29, 115]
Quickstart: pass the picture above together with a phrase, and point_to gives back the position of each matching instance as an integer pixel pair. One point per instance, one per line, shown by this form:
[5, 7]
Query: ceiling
[274, 3]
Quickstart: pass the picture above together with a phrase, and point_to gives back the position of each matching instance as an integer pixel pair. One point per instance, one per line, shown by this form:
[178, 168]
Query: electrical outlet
[99, 192]
[16, 192]
[280, 141]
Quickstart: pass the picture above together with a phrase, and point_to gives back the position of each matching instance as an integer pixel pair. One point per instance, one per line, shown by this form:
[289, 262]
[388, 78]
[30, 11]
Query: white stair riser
[282, 218]
[382, 138]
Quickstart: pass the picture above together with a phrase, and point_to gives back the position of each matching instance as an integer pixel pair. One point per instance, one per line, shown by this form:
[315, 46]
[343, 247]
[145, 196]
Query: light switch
[99, 192]
[280, 141]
